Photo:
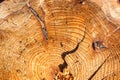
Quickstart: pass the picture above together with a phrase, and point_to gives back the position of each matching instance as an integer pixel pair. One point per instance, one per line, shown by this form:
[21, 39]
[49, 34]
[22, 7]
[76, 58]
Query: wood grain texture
[111, 9]
[26, 55]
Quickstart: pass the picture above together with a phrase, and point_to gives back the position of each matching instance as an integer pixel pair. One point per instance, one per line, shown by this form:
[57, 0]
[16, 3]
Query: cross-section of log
[58, 40]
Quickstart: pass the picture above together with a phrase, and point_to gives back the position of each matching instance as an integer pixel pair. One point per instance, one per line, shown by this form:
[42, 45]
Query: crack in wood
[64, 54]
[40, 20]
[94, 73]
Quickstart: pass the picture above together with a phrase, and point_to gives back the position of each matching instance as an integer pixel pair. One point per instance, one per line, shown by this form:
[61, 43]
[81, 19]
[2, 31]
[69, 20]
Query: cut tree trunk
[82, 43]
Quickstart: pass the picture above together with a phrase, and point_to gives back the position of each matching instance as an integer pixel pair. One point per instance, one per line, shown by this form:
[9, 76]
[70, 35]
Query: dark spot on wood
[81, 1]
[52, 14]
[93, 45]
[40, 73]
[24, 49]
[43, 79]
[77, 57]
[26, 39]
[24, 61]
[97, 45]
[18, 70]
[29, 45]
[24, 75]
[8, 8]
[66, 22]
[76, 61]
[114, 74]
[20, 41]
[20, 46]
[35, 40]
[21, 52]
[113, 45]
[103, 78]
[61, 44]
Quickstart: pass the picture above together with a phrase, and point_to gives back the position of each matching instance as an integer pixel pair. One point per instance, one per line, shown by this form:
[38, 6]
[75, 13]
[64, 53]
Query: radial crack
[98, 69]
[64, 65]
[40, 20]
[64, 54]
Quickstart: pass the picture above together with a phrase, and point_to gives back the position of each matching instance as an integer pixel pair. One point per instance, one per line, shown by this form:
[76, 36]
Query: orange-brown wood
[26, 55]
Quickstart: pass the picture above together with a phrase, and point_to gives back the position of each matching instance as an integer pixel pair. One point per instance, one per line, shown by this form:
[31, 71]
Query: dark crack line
[40, 20]
[64, 54]
[98, 69]
[64, 65]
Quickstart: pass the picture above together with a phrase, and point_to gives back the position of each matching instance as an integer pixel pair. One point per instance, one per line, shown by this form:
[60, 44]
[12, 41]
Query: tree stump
[81, 45]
